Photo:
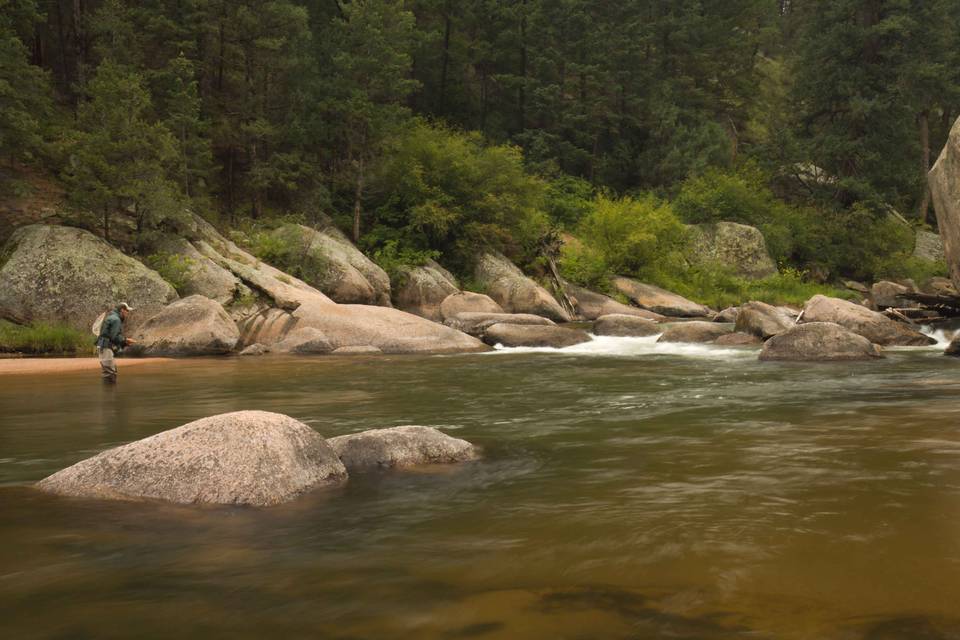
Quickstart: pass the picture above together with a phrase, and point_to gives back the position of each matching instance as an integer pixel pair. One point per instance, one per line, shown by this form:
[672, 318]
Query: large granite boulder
[246, 457]
[591, 305]
[328, 261]
[202, 276]
[884, 294]
[192, 326]
[652, 298]
[421, 290]
[515, 292]
[526, 335]
[939, 286]
[738, 247]
[468, 302]
[303, 341]
[696, 331]
[819, 341]
[476, 324]
[738, 339]
[400, 447]
[944, 180]
[763, 320]
[876, 327]
[295, 304]
[730, 314]
[928, 246]
[62, 275]
[624, 326]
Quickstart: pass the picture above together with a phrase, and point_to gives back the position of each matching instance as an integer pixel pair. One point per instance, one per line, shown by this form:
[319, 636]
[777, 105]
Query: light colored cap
[124, 305]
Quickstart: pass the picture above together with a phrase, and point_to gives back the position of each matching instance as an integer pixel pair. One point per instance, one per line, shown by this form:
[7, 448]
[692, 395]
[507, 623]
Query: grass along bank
[43, 338]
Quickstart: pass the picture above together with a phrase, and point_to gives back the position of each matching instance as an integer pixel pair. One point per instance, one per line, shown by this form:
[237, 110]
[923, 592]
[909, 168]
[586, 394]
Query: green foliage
[172, 267]
[43, 338]
[718, 288]
[568, 199]
[446, 190]
[392, 257]
[629, 236]
[287, 249]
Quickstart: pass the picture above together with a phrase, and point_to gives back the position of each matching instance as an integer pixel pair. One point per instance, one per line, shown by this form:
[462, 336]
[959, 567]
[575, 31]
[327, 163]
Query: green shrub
[172, 267]
[638, 237]
[391, 257]
[446, 190]
[568, 200]
[287, 249]
[43, 338]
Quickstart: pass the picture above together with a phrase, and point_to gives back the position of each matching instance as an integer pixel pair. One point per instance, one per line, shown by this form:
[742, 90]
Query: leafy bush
[391, 257]
[43, 338]
[568, 200]
[446, 190]
[172, 267]
[639, 237]
[286, 248]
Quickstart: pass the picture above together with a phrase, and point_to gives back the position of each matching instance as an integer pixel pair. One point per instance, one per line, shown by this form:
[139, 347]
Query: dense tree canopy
[251, 109]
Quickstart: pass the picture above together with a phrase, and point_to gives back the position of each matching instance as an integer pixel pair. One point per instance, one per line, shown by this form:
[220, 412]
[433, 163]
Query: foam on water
[638, 347]
[942, 336]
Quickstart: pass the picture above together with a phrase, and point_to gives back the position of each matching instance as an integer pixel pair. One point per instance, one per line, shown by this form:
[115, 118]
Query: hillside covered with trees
[429, 128]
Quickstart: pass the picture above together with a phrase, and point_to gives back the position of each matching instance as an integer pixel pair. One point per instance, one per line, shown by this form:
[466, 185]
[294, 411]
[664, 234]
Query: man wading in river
[111, 340]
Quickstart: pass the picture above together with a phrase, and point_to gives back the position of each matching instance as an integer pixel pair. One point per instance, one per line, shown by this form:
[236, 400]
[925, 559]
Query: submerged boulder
[467, 302]
[518, 335]
[359, 350]
[876, 327]
[763, 320]
[738, 247]
[944, 180]
[592, 305]
[62, 275]
[475, 324]
[515, 292]
[696, 331]
[422, 289]
[617, 324]
[819, 341]
[738, 339]
[405, 446]
[652, 298]
[192, 326]
[246, 457]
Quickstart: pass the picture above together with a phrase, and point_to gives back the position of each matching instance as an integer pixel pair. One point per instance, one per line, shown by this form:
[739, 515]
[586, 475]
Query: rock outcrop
[192, 326]
[647, 296]
[625, 326]
[476, 324]
[421, 290]
[928, 246]
[876, 327]
[730, 314]
[738, 339]
[819, 341]
[763, 320]
[202, 275]
[738, 247]
[468, 302]
[400, 447]
[331, 263]
[884, 294]
[526, 335]
[939, 286]
[245, 458]
[696, 331]
[304, 341]
[62, 275]
[591, 305]
[295, 304]
[944, 180]
[515, 292]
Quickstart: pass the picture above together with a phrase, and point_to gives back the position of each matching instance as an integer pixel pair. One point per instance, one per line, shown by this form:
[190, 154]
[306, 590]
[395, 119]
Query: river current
[628, 490]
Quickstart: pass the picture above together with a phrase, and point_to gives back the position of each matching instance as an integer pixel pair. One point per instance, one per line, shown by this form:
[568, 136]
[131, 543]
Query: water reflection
[625, 492]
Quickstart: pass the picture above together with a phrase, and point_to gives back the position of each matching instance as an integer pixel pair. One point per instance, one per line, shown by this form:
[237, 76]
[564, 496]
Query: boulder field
[819, 341]
[515, 292]
[253, 458]
[876, 327]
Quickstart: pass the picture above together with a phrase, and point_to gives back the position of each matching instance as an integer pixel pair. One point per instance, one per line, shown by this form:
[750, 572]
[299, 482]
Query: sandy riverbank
[31, 366]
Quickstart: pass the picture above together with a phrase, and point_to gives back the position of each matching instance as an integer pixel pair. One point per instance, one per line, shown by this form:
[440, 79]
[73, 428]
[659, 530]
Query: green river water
[627, 490]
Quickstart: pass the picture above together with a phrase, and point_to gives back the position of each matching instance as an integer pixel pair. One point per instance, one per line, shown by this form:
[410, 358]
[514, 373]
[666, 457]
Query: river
[627, 490]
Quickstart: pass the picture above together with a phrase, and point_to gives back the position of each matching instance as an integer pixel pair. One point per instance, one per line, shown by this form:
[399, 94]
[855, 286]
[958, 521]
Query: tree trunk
[924, 120]
[446, 58]
[522, 97]
[357, 202]
[78, 41]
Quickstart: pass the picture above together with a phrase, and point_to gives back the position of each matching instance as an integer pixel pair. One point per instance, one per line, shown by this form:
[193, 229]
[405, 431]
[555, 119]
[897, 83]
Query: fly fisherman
[111, 340]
